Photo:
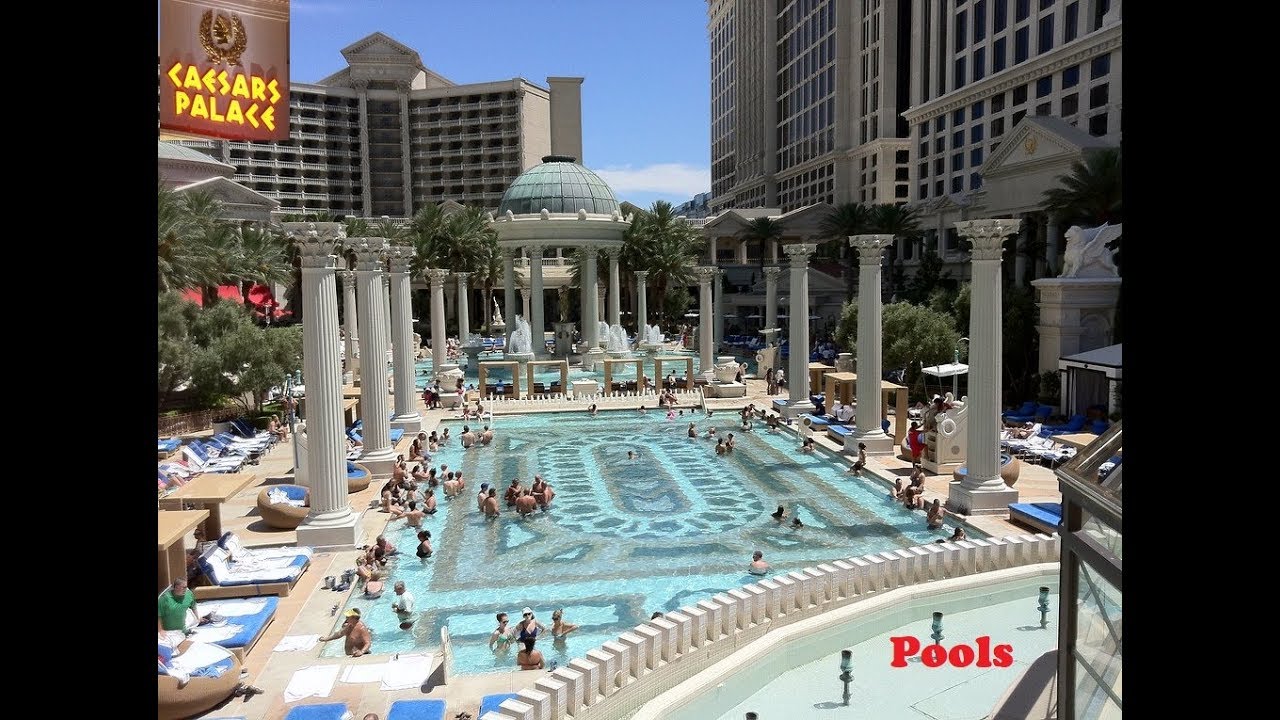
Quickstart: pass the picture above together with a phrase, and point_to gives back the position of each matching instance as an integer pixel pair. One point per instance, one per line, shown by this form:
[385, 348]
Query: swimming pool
[623, 539]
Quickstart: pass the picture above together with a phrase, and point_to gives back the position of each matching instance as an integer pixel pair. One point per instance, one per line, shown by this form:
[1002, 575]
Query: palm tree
[845, 220]
[426, 232]
[765, 231]
[669, 248]
[1091, 193]
[264, 257]
[899, 221]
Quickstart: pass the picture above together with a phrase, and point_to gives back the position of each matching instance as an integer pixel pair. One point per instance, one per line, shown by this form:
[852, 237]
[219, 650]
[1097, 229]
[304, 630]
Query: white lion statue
[1087, 254]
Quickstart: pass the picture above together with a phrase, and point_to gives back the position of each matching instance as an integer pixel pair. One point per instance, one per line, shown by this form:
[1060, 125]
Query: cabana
[688, 368]
[1091, 378]
[515, 375]
[173, 528]
[845, 386]
[564, 373]
[608, 371]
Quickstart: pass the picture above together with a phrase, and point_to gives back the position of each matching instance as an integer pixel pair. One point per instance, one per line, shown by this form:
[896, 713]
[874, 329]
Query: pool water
[623, 538]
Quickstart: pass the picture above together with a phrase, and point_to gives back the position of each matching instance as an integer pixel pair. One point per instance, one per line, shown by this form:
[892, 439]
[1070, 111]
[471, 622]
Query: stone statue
[497, 313]
[1087, 254]
[564, 303]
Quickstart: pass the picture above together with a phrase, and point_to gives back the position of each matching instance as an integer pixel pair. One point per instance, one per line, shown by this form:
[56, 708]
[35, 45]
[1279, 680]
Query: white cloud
[675, 179]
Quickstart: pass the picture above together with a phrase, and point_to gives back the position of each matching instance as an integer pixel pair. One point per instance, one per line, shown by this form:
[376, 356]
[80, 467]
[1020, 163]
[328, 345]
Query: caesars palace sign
[224, 69]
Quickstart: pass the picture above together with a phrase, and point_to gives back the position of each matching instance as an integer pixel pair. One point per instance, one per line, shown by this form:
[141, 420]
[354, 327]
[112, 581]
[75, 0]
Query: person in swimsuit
[424, 544]
[528, 627]
[758, 564]
[502, 637]
[560, 628]
[935, 515]
[528, 658]
[693, 430]
[780, 514]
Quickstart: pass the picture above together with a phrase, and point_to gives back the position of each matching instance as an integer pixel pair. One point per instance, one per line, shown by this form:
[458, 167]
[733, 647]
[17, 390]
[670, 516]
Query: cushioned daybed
[283, 516]
[253, 624]
[211, 683]
[358, 477]
[490, 703]
[249, 577]
[425, 709]
[1044, 517]
[840, 433]
[323, 711]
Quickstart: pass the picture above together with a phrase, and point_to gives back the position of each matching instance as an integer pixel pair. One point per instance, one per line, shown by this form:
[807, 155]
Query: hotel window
[1099, 95]
[923, 169]
[957, 162]
[979, 21]
[1021, 40]
[1071, 77]
[957, 139]
[1019, 94]
[1098, 124]
[979, 64]
[957, 184]
[961, 79]
[1046, 34]
[1100, 66]
[997, 55]
[1000, 15]
[979, 108]
[1044, 86]
[1070, 104]
[937, 188]
[1044, 109]
[1046, 4]
[924, 190]
[962, 30]
[975, 157]
[975, 133]
[1024, 9]
[1071, 23]
[997, 103]
[975, 181]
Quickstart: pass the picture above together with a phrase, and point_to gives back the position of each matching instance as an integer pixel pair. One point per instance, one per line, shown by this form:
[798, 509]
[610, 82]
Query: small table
[1077, 440]
[174, 526]
[210, 490]
[349, 410]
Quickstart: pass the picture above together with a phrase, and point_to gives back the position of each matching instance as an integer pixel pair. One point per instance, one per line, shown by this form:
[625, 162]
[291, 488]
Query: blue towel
[490, 703]
[327, 711]
[428, 709]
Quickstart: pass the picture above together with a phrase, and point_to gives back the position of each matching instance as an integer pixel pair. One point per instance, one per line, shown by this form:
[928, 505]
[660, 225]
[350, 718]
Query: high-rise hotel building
[386, 136]
[806, 102]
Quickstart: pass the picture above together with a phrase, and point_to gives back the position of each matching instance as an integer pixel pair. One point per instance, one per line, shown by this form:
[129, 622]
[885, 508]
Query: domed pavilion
[556, 205]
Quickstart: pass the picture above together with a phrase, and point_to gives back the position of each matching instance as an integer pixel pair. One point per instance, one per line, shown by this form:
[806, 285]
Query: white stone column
[742, 252]
[588, 283]
[717, 311]
[407, 417]
[1053, 248]
[525, 299]
[439, 337]
[642, 302]
[870, 346]
[711, 251]
[983, 491]
[377, 455]
[537, 323]
[771, 273]
[509, 291]
[330, 521]
[615, 304]
[798, 337]
[386, 305]
[1020, 257]
[464, 308]
[349, 305]
[706, 352]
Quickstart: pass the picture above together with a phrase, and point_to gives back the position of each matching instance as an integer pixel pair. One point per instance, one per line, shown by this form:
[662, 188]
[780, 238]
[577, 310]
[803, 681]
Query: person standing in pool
[484, 494]
[758, 564]
[528, 627]
[403, 605]
[525, 504]
[424, 544]
[542, 492]
[513, 492]
[560, 628]
[490, 506]
[861, 462]
[780, 514]
[693, 430]
[502, 637]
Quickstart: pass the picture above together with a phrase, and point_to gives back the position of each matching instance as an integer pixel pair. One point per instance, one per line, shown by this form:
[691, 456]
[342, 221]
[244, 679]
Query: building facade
[806, 98]
[1005, 96]
[387, 136]
[697, 208]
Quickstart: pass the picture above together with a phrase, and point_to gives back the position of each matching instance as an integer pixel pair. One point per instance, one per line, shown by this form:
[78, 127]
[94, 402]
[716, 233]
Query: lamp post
[937, 628]
[1044, 606]
[955, 378]
[846, 671]
[292, 418]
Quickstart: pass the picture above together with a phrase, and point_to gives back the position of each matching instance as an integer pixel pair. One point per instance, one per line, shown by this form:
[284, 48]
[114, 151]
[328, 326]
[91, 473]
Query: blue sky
[645, 100]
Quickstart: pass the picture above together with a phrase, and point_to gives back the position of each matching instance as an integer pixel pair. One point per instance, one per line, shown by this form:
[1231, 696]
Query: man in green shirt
[174, 604]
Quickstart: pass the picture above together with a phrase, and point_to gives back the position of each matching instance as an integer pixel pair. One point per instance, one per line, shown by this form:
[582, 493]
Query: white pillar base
[966, 501]
[410, 423]
[341, 536]
[380, 462]
[876, 441]
[791, 411]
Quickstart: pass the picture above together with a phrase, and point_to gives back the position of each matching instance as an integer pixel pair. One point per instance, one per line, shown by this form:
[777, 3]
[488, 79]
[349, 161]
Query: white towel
[199, 655]
[211, 634]
[297, 642]
[364, 673]
[407, 672]
[230, 608]
[314, 681]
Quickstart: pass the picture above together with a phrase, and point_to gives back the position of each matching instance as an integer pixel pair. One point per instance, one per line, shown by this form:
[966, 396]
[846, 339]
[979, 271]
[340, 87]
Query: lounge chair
[323, 711]
[247, 579]
[231, 543]
[1074, 425]
[252, 624]
[1045, 517]
[425, 709]
[246, 430]
[284, 515]
[166, 446]
[840, 433]
[198, 459]
[226, 438]
[1022, 414]
[210, 684]
[490, 703]
[355, 433]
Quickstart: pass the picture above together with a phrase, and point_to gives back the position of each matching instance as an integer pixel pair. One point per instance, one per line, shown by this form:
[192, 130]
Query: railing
[187, 423]
[604, 400]
[617, 678]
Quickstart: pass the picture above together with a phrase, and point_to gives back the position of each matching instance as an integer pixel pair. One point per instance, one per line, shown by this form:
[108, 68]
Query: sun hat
[527, 611]
[353, 612]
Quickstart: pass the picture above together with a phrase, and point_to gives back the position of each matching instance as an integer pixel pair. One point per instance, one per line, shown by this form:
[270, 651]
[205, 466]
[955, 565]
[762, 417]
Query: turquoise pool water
[623, 538]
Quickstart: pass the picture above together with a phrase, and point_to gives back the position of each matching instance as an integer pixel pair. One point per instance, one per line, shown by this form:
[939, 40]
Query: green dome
[561, 186]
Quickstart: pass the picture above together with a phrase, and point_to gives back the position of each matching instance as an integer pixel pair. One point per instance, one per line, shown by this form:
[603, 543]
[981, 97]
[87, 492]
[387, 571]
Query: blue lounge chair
[168, 445]
[325, 711]
[490, 703]
[427, 709]
[1026, 413]
[1099, 426]
[246, 430]
[395, 434]
[1045, 517]
[199, 458]
[1074, 425]
[840, 433]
